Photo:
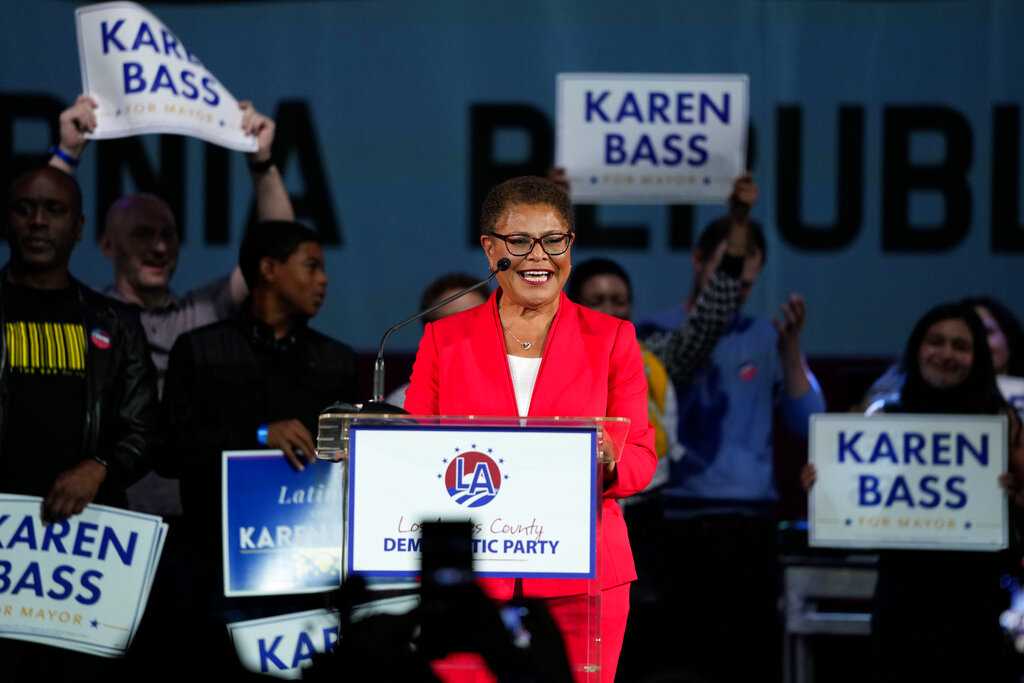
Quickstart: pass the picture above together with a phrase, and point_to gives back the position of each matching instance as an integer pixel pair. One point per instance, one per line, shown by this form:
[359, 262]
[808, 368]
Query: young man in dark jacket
[258, 380]
[78, 402]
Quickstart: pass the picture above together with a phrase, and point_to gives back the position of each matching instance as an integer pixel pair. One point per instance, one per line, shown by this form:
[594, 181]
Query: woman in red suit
[530, 351]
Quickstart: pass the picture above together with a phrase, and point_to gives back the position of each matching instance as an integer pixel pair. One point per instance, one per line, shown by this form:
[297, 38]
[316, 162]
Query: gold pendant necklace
[525, 345]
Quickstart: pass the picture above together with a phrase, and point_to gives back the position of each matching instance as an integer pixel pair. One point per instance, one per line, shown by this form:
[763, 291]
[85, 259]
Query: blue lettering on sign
[913, 444]
[87, 584]
[593, 106]
[883, 449]
[933, 499]
[614, 149]
[870, 492]
[953, 488]
[963, 444]
[947, 449]
[847, 447]
[189, 90]
[690, 108]
[163, 80]
[82, 538]
[867, 491]
[269, 656]
[940, 445]
[481, 478]
[110, 539]
[402, 545]
[170, 44]
[144, 36]
[31, 579]
[303, 650]
[302, 653]
[133, 80]
[108, 36]
[25, 533]
[212, 98]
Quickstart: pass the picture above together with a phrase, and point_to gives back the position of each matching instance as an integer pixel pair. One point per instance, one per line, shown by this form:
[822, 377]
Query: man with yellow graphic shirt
[78, 403]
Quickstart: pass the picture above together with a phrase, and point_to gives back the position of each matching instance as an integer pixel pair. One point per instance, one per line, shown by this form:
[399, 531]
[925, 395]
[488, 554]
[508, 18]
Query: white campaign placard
[145, 80]
[651, 138]
[284, 645]
[529, 492]
[908, 481]
[80, 584]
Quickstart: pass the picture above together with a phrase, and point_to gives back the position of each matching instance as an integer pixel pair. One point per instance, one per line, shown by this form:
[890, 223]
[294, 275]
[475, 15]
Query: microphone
[378, 366]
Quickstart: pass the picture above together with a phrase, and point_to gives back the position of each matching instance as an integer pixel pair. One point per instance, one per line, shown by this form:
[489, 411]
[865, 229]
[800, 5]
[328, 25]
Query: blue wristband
[63, 156]
[261, 434]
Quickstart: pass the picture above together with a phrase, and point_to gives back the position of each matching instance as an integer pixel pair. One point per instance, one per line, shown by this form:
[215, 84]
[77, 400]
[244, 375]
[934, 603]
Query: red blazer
[591, 367]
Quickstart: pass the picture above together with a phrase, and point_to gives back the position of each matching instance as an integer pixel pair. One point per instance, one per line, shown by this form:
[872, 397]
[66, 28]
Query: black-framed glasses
[520, 244]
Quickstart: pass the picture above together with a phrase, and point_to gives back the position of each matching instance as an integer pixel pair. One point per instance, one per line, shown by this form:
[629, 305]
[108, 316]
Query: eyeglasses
[553, 243]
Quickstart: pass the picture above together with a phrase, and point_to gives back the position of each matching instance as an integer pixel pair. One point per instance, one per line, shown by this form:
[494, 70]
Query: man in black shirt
[78, 405]
[259, 380]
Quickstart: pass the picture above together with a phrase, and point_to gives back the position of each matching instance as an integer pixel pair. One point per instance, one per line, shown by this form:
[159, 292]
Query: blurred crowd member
[78, 400]
[142, 239]
[720, 501]
[1005, 342]
[437, 291]
[258, 380]
[937, 613]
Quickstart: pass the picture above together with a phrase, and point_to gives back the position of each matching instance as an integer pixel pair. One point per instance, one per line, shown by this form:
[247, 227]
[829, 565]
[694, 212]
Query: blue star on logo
[489, 450]
[439, 476]
[94, 623]
[472, 445]
[501, 461]
[444, 459]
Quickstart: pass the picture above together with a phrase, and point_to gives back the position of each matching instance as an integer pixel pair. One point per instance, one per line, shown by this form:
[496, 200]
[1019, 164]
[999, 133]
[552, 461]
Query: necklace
[525, 345]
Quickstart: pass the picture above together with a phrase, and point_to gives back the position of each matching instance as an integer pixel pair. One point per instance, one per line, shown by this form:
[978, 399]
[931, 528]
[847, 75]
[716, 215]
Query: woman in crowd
[1005, 342]
[530, 351]
[937, 612]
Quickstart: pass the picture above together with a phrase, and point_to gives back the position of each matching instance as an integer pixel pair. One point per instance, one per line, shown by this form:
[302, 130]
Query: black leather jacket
[121, 419]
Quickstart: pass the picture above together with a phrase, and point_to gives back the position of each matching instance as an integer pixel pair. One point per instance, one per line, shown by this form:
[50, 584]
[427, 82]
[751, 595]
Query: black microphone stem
[378, 365]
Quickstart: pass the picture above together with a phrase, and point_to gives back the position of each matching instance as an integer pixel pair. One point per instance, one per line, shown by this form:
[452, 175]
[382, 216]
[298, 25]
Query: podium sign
[530, 492]
[908, 481]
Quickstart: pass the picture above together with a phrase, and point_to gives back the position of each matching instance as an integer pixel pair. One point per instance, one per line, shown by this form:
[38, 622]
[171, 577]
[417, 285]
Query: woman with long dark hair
[936, 614]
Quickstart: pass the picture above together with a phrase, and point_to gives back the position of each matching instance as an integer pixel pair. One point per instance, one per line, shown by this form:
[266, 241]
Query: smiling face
[141, 238]
[537, 278]
[45, 221]
[946, 353]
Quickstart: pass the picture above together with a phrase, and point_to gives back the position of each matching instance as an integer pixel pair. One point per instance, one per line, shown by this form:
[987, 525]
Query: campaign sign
[282, 528]
[145, 80]
[80, 584]
[284, 645]
[908, 481]
[530, 494]
[651, 138]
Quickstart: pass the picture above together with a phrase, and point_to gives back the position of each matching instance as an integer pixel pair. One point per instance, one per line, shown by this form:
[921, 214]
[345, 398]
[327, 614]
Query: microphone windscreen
[504, 264]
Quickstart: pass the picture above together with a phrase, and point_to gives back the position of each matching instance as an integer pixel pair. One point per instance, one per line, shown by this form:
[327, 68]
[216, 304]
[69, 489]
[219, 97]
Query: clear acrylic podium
[398, 462]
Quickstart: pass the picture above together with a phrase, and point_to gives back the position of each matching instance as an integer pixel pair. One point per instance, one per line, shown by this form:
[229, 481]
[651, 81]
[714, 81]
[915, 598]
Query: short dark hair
[274, 239]
[717, 230]
[524, 190]
[447, 282]
[64, 178]
[592, 268]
